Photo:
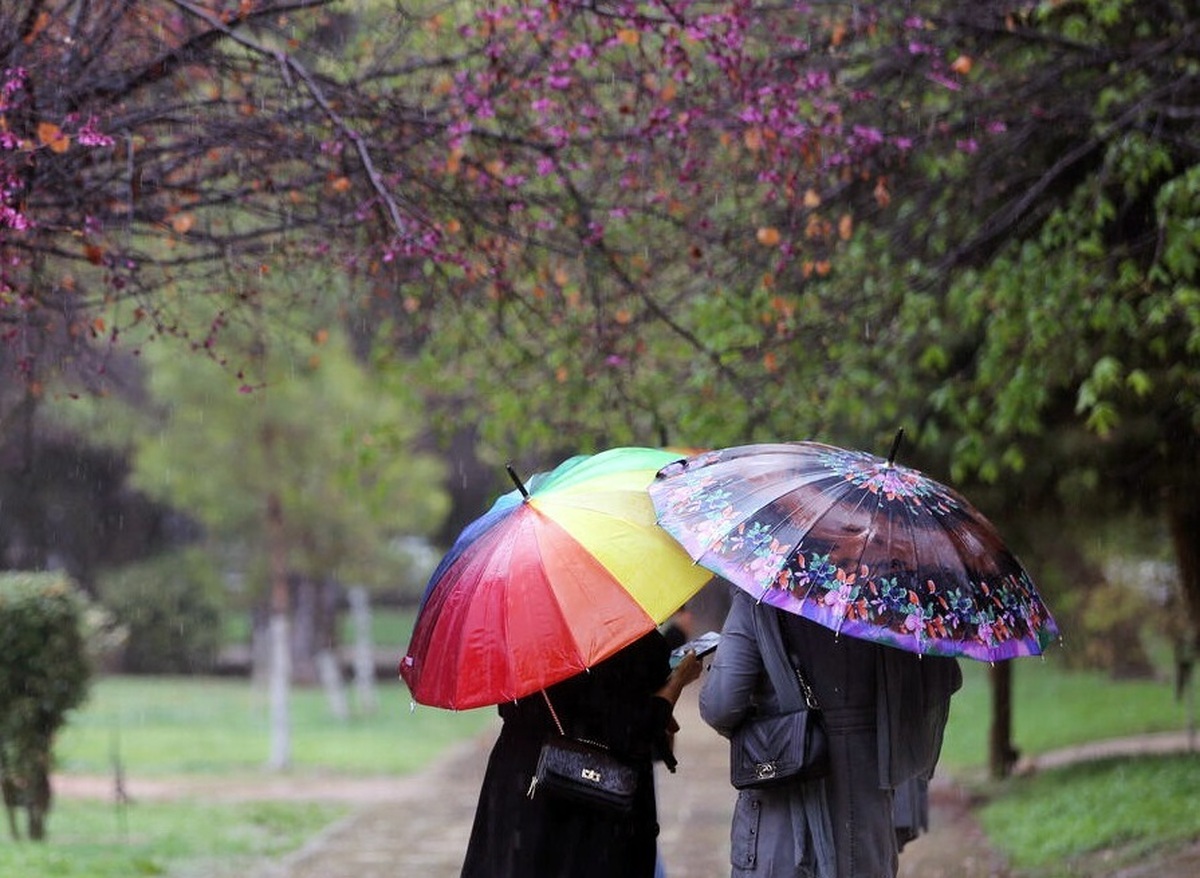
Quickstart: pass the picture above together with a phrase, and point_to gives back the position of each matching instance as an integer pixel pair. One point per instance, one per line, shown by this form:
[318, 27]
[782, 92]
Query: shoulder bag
[583, 771]
[769, 750]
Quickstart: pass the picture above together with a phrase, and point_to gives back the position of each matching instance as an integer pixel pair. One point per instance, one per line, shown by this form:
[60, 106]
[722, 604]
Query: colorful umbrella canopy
[548, 582]
[857, 543]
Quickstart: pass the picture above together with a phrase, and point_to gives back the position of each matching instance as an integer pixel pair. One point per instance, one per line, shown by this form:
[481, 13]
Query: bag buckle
[765, 770]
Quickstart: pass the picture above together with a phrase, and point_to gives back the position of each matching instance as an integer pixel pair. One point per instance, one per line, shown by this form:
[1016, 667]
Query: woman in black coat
[624, 702]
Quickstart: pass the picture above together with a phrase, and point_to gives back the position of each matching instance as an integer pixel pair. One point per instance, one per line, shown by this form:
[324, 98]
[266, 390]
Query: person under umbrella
[625, 703]
[548, 607]
[870, 578]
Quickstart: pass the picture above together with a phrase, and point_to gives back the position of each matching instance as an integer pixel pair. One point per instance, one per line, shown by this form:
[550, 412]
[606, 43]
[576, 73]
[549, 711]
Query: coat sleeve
[727, 693]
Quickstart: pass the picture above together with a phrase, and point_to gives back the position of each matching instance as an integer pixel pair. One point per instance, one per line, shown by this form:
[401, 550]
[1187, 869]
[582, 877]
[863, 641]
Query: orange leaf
[52, 136]
[93, 254]
[845, 227]
[962, 64]
[768, 236]
[628, 36]
[812, 198]
[182, 224]
[39, 25]
[882, 197]
[753, 139]
[341, 184]
[623, 316]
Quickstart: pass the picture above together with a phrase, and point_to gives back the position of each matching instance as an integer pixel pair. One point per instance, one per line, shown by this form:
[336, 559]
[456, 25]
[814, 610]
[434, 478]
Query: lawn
[1049, 822]
[1054, 708]
[163, 727]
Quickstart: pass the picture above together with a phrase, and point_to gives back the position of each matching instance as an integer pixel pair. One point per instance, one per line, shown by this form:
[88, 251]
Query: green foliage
[44, 672]
[1123, 807]
[271, 410]
[171, 609]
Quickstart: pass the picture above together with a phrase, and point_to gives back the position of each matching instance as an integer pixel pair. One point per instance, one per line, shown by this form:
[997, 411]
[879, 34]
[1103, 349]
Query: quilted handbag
[583, 771]
[771, 750]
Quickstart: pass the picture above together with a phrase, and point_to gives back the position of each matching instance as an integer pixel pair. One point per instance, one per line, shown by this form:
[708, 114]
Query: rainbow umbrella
[554, 578]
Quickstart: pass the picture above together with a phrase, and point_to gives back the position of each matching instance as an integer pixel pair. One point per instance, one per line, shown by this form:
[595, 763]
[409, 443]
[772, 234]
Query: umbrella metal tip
[891, 459]
[512, 474]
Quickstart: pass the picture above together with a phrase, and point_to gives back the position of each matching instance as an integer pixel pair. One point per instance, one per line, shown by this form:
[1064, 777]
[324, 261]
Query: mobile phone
[702, 646]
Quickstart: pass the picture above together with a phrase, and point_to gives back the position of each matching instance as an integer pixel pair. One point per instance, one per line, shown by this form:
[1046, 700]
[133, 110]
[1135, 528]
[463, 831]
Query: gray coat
[884, 710]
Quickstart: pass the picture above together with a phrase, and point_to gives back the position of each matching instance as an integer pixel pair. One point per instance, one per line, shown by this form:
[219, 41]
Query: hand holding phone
[702, 646]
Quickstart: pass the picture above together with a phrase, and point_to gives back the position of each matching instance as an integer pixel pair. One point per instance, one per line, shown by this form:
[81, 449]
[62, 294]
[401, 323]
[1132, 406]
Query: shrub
[170, 609]
[44, 672]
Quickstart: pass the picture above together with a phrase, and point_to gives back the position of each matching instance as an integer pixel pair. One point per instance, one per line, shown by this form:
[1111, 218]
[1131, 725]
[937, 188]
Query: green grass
[1054, 708]
[1049, 822]
[168, 725]
[164, 727]
[390, 627]
[94, 840]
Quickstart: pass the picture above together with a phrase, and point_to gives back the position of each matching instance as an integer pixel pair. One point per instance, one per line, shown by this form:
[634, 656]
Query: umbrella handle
[512, 474]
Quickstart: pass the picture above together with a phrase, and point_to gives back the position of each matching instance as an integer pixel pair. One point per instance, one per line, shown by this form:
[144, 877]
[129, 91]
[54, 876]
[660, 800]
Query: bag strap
[789, 683]
[553, 714]
[810, 696]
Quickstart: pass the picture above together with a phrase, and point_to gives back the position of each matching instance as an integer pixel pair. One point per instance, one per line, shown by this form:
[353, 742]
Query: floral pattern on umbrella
[858, 544]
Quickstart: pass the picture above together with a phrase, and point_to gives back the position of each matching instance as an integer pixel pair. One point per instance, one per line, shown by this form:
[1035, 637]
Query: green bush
[44, 672]
[170, 608]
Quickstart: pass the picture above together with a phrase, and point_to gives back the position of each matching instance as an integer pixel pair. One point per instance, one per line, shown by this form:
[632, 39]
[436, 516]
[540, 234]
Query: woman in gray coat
[884, 712]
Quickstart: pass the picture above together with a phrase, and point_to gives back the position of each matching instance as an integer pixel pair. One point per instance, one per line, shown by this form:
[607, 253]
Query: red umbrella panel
[547, 583]
[857, 543]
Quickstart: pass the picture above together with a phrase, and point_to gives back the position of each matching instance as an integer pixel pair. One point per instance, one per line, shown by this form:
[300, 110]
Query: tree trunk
[330, 674]
[39, 795]
[1002, 756]
[1183, 516]
[314, 625]
[364, 658]
[280, 668]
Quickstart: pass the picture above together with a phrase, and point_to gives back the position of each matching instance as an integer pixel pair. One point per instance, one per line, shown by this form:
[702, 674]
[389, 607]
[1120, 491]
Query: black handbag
[583, 771]
[771, 750]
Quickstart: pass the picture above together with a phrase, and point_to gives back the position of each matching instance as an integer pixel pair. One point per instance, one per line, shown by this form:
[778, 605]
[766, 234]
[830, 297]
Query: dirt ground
[419, 825]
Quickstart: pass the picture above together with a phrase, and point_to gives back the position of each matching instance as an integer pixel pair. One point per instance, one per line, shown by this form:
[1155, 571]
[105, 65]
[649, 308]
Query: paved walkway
[423, 830]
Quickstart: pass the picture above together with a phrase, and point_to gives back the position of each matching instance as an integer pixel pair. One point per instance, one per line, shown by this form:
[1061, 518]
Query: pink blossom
[869, 136]
[90, 136]
[944, 81]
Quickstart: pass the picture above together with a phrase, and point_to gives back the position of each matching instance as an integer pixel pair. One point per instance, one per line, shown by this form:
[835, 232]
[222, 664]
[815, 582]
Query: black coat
[517, 837]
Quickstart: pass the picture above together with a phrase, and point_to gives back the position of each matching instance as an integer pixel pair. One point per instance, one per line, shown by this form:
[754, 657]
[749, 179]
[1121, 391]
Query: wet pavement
[422, 828]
